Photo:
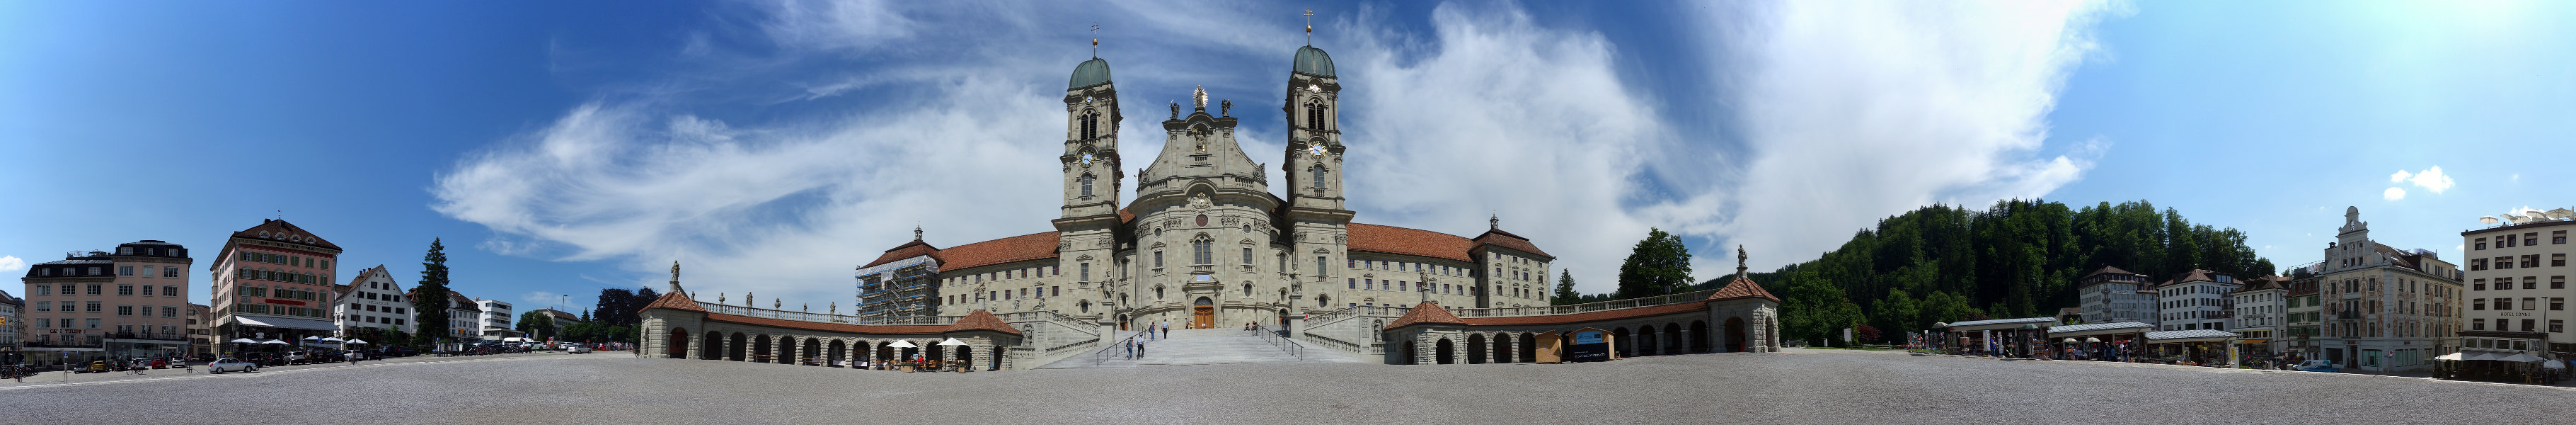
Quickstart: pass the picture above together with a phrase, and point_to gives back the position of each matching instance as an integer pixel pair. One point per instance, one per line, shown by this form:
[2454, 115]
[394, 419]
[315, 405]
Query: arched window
[1318, 172]
[1247, 290]
[1315, 116]
[1086, 184]
[1090, 125]
[1204, 250]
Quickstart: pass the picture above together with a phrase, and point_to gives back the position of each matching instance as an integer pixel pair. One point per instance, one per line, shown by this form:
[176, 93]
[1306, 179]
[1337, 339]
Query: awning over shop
[2002, 324]
[2253, 341]
[281, 322]
[2196, 335]
[2091, 329]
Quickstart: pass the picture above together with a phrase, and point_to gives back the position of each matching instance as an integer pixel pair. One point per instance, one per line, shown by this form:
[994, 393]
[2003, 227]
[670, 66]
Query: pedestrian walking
[1131, 348]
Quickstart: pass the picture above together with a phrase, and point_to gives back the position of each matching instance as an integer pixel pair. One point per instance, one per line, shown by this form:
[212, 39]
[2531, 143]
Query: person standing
[1131, 348]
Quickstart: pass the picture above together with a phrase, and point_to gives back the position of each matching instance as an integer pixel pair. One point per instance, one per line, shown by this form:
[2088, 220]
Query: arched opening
[735, 351]
[1122, 321]
[1645, 345]
[760, 348]
[812, 354]
[966, 357]
[937, 353]
[1735, 335]
[839, 349]
[1476, 349]
[1503, 348]
[1699, 336]
[678, 345]
[1529, 347]
[1672, 339]
[1441, 352]
[1412, 354]
[714, 349]
[1203, 313]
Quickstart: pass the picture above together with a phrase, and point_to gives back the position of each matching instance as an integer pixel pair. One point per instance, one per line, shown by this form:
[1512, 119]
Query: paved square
[1800, 386]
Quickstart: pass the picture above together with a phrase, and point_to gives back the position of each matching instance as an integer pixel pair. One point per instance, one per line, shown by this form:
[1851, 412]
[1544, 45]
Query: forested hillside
[2014, 259]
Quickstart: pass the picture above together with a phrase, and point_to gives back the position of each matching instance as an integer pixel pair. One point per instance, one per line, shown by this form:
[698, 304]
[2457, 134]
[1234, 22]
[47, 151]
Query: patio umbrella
[903, 344]
[245, 341]
[952, 341]
[2450, 357]
[2092, 339]
[2070, 340]
[2478, 356]
[313, 338]
[2520, 358]
[356, 341]
[331, 339]
[2554, 365]
[273, 342]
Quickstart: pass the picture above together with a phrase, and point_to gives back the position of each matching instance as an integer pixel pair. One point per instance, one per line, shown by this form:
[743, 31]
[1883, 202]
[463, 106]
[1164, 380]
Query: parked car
[577, 349]
[229, 364]
[264, 359]
[2317, 366]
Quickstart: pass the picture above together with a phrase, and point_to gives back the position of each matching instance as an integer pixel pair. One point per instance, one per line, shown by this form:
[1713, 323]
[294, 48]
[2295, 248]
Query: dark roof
[900, 252]
[1310, 61]
[1090, 73]
[2107, 269]
[1498, 237]
[1426, 313]
[282, 231]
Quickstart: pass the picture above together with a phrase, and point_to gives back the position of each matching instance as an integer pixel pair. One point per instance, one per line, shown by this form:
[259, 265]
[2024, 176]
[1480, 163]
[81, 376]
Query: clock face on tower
[1086, 158]
[1316, 149]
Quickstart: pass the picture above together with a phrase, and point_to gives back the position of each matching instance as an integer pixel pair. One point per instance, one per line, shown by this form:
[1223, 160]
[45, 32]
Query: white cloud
[2431, 179]
[2393, 194]
[1851, 112]
[539, 299]
[11, 263]
[2400, 177]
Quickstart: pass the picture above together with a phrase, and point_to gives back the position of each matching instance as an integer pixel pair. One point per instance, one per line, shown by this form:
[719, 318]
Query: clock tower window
[1315, 116]
[1086, 184]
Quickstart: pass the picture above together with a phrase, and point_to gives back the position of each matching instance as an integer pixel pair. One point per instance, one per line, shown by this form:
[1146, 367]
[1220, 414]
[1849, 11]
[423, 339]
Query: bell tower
[1316, 222]
[1089, 221]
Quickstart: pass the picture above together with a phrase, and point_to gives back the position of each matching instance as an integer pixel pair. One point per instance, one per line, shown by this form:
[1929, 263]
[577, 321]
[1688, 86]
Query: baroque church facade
[1206, 242]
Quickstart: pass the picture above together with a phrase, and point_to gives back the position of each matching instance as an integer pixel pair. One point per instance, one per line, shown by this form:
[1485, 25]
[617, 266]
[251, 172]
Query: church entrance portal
[1203, 313]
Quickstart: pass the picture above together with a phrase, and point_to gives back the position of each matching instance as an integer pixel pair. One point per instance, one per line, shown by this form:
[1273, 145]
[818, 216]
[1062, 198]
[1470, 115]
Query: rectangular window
[2530, 282]
[91, 322]
[2477, 264]
[2532, 238]
[1055, 291]
[1353, 263]
[2557, 303]
[2558, 237]
[2528, 324]
[170, 272]
[125, 271]
[93, 307]
[1158, 259]
[94, 289]
[2478, 304]
[1368, 284]
[2481, 244]
[2557, 282]
[2532, 260]
[2529, 303]
[44, 289]
[2558, 260]
[1354, 284]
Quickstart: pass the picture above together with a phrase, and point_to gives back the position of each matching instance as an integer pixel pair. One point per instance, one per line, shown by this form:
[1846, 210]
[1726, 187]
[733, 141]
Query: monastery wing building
[1206, 242]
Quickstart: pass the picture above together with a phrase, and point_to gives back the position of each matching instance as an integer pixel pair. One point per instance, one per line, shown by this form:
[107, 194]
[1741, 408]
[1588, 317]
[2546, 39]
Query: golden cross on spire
[1095, 40]
[1310, 26]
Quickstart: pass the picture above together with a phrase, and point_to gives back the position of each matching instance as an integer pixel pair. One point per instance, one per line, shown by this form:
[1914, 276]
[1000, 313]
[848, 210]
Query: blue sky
[773, 146]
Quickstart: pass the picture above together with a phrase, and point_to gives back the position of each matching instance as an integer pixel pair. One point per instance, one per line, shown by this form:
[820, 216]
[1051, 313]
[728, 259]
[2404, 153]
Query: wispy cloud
[1852, 111]
[2393, 194]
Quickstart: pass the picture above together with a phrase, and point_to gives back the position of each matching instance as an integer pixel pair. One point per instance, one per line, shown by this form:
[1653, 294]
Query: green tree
[1659, 265]
[536, 324]
[1565, 293]
[429, 300]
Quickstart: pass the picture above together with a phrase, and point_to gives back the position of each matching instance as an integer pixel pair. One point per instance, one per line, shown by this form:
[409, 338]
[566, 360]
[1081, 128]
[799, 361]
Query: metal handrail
[1275, 338]
[1102, 356]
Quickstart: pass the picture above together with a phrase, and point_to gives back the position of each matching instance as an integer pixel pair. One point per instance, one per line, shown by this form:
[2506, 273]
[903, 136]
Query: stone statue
[720, 298]
[1739, 262]
[1225, 108]
[746, 299]
[1176, 110]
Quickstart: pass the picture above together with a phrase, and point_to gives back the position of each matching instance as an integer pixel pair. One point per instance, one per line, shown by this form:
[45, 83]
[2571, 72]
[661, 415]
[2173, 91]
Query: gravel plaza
[1796, 386]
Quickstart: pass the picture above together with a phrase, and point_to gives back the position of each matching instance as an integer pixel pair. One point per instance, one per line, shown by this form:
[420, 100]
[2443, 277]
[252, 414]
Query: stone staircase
[1202, 347]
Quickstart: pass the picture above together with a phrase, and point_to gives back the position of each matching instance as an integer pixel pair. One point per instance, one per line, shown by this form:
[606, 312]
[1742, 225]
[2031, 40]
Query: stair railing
[1275, 338]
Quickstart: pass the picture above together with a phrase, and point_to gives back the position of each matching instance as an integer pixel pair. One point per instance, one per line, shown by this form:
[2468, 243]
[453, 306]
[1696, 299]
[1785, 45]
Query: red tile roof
[1398, 240]
[1033, 246]
[982, 321]
[1741, 288]
[674, 301]
[1498, 237]
[1426, 313]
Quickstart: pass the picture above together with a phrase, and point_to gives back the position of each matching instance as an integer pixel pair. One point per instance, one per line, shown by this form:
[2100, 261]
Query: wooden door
[1203, 316]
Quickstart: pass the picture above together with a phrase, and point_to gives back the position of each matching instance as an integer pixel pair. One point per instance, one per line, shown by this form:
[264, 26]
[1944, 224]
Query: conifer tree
[430, 297]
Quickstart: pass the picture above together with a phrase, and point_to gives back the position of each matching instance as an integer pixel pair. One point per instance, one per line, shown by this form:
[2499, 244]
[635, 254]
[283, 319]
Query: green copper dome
[1312, 61]
[1092, 73]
